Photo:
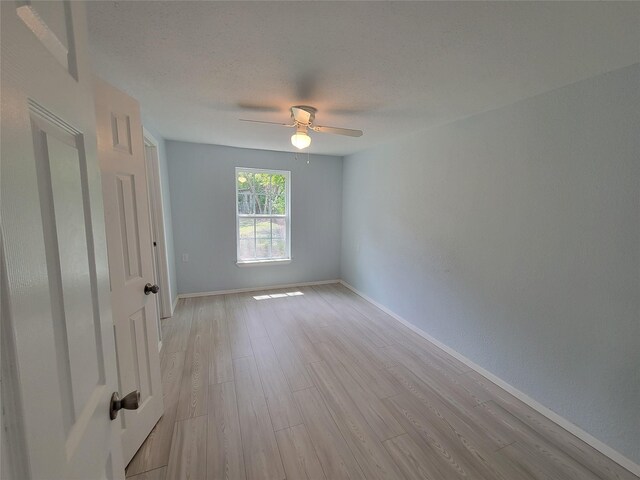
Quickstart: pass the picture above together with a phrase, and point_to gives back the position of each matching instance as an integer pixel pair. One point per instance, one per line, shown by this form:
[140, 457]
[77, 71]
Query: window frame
[287, 217]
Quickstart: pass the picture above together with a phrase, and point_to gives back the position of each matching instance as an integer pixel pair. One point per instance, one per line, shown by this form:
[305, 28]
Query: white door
[126, 205]
[56, 304]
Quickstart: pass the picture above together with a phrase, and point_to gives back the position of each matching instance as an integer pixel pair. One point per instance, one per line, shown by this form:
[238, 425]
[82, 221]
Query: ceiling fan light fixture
[300, 140]
[303, 119]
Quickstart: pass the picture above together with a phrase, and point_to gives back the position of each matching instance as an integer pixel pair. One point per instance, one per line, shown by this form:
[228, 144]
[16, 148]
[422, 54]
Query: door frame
[156, 210]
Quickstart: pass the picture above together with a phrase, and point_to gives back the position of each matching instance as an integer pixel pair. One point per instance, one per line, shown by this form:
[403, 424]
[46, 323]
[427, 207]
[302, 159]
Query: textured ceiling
[388, 68]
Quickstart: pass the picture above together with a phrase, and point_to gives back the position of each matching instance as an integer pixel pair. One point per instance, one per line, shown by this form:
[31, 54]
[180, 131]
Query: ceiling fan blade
[270, 123]
[300, 115]
[339, 131]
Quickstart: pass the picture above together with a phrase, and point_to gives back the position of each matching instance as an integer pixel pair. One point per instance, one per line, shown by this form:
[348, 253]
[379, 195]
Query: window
[262, 215]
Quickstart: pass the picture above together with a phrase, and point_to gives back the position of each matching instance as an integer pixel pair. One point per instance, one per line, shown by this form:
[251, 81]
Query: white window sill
[257, 263]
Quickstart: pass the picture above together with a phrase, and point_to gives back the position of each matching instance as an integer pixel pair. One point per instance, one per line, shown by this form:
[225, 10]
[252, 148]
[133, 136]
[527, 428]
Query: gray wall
[202, 184]
[514, 238]
[166, 212]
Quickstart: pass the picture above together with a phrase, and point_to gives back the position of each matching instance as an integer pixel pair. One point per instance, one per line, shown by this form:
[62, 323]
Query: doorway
[160, 263]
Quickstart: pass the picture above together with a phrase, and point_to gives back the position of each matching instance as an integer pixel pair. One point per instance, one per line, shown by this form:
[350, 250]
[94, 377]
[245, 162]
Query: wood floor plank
[316, 309]
[288, 324]
[238, 333]
[494, 434]
[317, 334]
[220, 362]
[467, 429]
[155, 450]
[376, 357]
[411, 459]
[156, 474]
[255, 314]
[188, 458]
[371, 407]
[177, 333]
[195, 380]
[394, 331]
[373, 459]
[298, 454]
[448, 386]
[351, 318]
[430, 354]
[372, 380]
[529, 461]
[532, 442]
[492, 390]
[225, 458]
[172, 369]
[452, 454]
[432, 457]
[289, 358]
[338, 463]
[307, 312]
[458, 446]
[433, 355]
[282, 407]
[304, 347]
[294, 369]
[261, 454]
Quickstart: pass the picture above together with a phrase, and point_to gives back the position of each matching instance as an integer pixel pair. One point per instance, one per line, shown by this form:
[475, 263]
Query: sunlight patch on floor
[278, 295]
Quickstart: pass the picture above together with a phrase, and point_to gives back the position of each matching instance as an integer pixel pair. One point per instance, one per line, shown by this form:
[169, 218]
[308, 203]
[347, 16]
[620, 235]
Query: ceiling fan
[303, 118]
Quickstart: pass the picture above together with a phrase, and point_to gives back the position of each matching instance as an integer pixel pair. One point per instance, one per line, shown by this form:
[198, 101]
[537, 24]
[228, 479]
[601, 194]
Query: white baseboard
[550, 414]
[256, 289]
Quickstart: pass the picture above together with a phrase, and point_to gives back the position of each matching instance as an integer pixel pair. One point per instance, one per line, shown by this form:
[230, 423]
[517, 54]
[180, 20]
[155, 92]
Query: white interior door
[126, 203]
[56, 312]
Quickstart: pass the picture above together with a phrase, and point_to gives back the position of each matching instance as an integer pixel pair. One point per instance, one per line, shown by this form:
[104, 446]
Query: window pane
[263, 228]
[246, 228]
[275, 193]
[263, 248]
[278, 183]
[247, 249]
[261, 183]
[279, 249]
[243, 180]
[260, 204]
[279, 228]
[243, 183]
[279, 205]
[245, 204]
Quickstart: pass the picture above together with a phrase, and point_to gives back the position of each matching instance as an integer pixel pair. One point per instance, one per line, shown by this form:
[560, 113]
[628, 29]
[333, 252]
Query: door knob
[149, 289]
[130, 401]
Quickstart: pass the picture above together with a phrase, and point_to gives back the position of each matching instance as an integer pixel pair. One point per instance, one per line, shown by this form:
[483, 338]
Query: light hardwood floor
[316, 383]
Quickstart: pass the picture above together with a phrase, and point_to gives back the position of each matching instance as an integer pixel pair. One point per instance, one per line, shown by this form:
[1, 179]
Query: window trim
[268, 261]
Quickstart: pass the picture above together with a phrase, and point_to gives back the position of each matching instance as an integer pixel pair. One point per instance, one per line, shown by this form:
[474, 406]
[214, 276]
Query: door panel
[57, 312]
[64, 204]
[140, 349]
[127, 213]
[124, 182]
[52, 24]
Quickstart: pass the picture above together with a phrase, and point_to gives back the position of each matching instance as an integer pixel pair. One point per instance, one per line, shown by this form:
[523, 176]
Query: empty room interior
[320, 240]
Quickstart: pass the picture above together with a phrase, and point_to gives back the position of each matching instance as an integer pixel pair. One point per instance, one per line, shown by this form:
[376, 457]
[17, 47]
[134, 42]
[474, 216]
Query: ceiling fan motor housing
[300, 118]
